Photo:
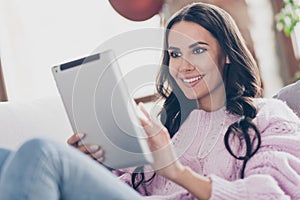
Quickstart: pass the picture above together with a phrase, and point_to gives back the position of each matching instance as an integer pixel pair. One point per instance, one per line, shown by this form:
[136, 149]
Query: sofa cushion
[22, 120]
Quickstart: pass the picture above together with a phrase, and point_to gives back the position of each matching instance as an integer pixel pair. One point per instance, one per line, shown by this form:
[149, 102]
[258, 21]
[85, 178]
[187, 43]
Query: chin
[191, 96]
[194, 96]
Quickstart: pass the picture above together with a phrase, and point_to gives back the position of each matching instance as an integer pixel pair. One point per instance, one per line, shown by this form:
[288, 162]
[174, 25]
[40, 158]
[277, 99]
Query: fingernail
[94, 147]
[100, 159]
[80, 135]
[98, 154]
[141, 105]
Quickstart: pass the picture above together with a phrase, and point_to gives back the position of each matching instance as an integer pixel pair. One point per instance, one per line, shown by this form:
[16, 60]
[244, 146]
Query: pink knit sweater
[272, 173]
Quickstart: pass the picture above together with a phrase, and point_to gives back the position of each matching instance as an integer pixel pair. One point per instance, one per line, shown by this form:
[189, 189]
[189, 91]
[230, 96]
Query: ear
[227, 61]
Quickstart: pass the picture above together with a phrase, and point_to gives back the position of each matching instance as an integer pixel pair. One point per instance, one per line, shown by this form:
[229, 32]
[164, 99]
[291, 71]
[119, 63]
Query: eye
[175, 54]
[198, 50]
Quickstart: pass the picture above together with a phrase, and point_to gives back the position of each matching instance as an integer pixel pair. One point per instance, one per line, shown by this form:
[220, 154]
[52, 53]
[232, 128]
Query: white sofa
[45, 117]
[22, 120]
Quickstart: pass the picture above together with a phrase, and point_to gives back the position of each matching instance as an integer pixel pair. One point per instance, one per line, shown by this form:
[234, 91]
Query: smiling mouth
[191, 80]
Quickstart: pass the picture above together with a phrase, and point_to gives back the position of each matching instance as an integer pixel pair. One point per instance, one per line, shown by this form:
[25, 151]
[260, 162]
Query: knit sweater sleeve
[274, 171]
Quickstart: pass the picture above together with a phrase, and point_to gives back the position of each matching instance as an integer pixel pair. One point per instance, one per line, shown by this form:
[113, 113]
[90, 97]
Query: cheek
[173, 67]
[206, 68]
[203, 62]
[173, 74]
[174, 63]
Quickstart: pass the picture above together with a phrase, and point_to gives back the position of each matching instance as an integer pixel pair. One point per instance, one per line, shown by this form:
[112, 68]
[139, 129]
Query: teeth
[193, 79]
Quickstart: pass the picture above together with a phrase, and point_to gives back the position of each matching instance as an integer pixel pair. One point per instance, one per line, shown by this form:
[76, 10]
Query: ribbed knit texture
[273, 173]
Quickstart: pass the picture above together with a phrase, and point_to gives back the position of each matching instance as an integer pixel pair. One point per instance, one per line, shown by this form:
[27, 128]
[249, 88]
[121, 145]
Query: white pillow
[45, 117]
[291, 95]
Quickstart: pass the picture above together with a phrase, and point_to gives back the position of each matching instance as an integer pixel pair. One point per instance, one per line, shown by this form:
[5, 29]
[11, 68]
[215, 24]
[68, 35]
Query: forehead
[187, 33]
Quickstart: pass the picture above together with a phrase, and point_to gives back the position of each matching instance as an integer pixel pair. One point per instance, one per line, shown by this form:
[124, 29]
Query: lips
[193, 79]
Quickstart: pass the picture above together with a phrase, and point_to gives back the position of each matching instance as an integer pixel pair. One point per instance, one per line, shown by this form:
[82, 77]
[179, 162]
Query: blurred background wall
[36, 35]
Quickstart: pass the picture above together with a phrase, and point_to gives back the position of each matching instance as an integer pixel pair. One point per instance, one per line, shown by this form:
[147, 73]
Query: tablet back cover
[98, 103]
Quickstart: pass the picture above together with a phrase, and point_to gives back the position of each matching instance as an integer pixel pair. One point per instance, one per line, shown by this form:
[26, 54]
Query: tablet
[98, 103]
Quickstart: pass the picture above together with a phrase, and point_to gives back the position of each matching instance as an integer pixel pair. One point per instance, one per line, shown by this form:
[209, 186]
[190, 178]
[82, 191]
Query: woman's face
[196, 63]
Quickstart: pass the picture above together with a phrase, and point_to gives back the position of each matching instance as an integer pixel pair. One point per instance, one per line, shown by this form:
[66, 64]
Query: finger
[75, 138]
[144, 111]
[141, 116]
[153, 128]
[99, 160]
[144, 122]
[98, 155]
[153, 121]
[89, 148]
[83, 149]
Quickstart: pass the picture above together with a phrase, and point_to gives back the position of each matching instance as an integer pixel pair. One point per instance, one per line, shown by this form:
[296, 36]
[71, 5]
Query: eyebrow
[196, 43]
[173, 48]
[190, 46]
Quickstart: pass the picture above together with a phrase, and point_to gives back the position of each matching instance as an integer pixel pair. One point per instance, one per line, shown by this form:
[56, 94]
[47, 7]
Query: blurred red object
[137, 10]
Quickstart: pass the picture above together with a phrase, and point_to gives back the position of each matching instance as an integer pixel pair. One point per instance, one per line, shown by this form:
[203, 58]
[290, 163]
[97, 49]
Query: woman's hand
[166, 162]
[92, 150]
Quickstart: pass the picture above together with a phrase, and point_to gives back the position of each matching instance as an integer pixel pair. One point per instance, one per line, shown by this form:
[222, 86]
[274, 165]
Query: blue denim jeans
[42, 169]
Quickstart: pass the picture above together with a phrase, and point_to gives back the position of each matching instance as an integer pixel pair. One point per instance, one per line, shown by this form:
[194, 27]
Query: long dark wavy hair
[241, 80]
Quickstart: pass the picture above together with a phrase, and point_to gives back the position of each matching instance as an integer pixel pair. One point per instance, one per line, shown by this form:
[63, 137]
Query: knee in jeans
[37, 147]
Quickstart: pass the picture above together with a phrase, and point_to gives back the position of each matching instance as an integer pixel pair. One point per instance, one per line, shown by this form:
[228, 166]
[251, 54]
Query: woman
[232, 144]
[217, 141]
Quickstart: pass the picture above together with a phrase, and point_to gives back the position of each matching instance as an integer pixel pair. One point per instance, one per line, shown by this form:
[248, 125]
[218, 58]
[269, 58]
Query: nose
[186, 66]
